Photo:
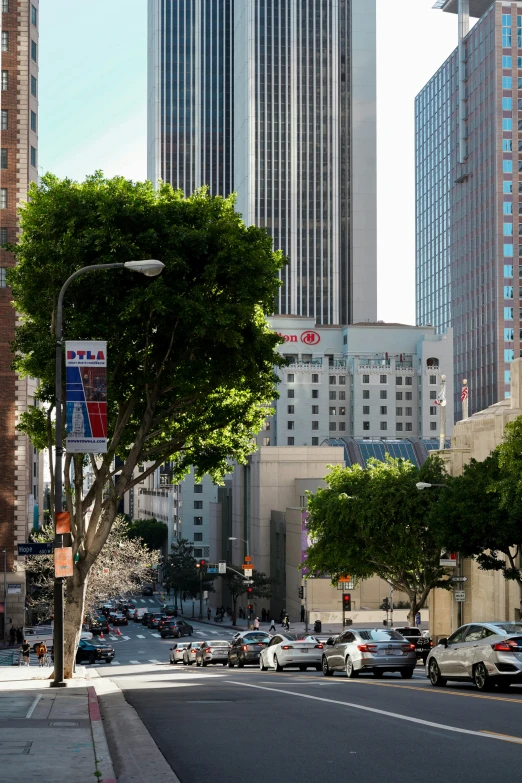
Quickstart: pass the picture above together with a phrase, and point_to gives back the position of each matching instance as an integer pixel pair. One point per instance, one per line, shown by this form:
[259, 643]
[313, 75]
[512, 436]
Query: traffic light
[301, 592]
[386, 604]
[250, 592]
[347, 602]
[202, 565]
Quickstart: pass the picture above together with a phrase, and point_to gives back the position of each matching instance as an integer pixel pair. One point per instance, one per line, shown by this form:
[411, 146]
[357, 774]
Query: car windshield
[509, 627]
[380, 635]
[290, 637]
[409, 631]
[217, 643]
[256, 637]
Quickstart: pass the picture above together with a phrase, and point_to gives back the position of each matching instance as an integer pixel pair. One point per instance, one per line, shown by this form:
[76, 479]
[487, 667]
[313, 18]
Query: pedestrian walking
[268, 615]
[302, 614]
[41, 652]
[418, 619]
[209, 613]
[272, 626]
[19, 636]
[26, 652]
[263, 615]
[282, 618]
[256, 624]
[287, 622]
[12, 636]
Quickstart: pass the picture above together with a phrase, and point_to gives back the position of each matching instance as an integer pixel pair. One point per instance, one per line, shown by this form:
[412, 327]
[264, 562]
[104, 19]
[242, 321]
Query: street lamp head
[149, 267]
[232, 538]
[422, 485]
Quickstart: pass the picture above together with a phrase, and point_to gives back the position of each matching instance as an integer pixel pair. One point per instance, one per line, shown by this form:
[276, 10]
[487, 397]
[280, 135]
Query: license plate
[390, 651]
[304, 651]
[218, 651]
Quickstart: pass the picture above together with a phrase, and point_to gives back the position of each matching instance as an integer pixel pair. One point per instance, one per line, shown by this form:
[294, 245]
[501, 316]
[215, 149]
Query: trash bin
[317, 626]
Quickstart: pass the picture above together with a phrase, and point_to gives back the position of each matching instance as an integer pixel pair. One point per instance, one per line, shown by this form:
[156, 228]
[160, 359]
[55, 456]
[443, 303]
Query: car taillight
[431, 642]
[318, 646]
[245, 647]
[194, 651]
[507, 646]
[287, 647]
[367, 647]
[408, 647]
[208, 649]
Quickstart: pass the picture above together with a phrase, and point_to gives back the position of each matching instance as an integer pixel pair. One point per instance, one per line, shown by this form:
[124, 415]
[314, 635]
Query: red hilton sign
[308, 338]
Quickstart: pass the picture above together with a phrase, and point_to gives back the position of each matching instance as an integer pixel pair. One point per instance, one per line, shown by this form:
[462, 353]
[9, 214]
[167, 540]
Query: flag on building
[441, 396]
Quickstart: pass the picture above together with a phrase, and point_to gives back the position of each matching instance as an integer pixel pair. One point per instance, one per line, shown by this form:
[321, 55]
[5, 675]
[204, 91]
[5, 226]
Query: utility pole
[5, 594]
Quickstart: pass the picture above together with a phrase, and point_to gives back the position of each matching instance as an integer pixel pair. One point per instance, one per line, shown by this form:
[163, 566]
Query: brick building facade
[20, 484]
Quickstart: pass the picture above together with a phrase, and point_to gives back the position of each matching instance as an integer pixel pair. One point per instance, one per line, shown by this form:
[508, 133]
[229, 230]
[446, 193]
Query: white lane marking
[386, 713]
[151, 600]
[142, 600]
[33, 706]
[133, 661]
[140, 636]
[153, 660]
[214, 632]
[116, 662]
[125, 638]
[156, 635]
[200, 633]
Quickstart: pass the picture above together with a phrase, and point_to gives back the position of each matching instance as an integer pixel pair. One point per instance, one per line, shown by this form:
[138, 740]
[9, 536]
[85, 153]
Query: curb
[101, 749]
[213, 625]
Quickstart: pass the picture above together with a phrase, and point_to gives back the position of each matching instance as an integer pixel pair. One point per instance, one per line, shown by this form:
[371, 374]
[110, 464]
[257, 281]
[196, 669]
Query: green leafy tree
[182, 575]
[237, 586]
[152, 532]
[375, 522]
[190, 355]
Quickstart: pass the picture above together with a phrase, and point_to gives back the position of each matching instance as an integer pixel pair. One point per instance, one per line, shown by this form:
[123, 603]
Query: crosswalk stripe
[117, 663]
[156, 635]
[125, 638]
[199, 633]
[140, 636]
[133, 661]
[151, 600]
[153, 660]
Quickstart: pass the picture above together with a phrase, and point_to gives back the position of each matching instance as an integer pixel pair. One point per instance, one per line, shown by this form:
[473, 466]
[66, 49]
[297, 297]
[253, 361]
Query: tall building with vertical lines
[276, 100]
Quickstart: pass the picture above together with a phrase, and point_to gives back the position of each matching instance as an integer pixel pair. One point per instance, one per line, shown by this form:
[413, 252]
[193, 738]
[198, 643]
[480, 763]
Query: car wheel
[434, 674]
[230, 664]
[108, 660]
[326, 669]
[240, 663]
[203, 663]
[277, 665]
[171, 661]
[378, 673]
[481, 678]
[261, 664]
[407, 674]
[92, 658]
[178, 635]
[348, 666]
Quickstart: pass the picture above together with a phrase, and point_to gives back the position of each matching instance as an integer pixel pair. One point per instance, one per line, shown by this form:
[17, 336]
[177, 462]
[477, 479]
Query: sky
[93, 110]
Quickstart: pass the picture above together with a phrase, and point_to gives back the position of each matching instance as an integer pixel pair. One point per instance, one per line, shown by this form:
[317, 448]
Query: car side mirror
[329, 642]
[443, 641]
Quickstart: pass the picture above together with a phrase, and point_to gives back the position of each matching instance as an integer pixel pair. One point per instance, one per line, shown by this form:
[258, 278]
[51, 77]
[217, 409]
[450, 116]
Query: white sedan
[286, 650]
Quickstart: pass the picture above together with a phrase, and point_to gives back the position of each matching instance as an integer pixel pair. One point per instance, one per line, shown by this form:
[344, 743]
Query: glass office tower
[296, 133]
[469, 202]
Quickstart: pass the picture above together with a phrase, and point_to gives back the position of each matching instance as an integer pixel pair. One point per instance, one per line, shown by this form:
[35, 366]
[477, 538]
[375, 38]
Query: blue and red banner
[86, 396]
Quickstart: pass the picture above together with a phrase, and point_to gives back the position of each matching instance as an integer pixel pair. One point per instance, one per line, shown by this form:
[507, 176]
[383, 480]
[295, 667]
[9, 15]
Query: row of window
[5, 46]
[4, 120]
[34, 12]
[333, 395]
[333, 379]
[4, 83]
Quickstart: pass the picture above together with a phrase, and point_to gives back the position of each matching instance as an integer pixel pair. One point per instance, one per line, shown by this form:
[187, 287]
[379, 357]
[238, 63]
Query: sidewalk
[51, 733]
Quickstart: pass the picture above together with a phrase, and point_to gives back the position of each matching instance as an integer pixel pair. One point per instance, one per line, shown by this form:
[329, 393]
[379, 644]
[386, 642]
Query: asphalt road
[226, 725]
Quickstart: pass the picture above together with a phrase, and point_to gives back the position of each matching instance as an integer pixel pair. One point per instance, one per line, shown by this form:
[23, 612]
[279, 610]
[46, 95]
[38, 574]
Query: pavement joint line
[386, 714]
[33, 706]
[101, 748]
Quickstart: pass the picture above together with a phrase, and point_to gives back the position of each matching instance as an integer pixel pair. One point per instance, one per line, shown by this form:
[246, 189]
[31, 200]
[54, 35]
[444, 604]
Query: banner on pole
[63, 562]
[86, 396]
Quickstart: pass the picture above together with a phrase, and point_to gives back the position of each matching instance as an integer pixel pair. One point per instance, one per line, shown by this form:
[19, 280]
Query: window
[3, 158]
[433, 395]
[33, 86]
[507, 83]
[342, 380]
[342, 411]
[383, 379]
[507, 124]
[433, 410]
[5, 6]
[34, 50]
[342, 395]
[398, 411]
[409, 380]
[508, 292]
[198, 504]
[408, 426]
[398, 395]
[507, 105]
[366, 379]
[508, 187]
[333, 380]
[315, 394]
[34, 16]
[266, 441]
[366, 410]
[198, 520]
[398, 380]
[398, 426]
[5, 41]
[290, 394]
[519, 59]
[433, 379]
[3, 236]
[3, 282]
[332, 395]
[5, 80]
[198, 553]
[290, 425]
[384, 410]
[508, 311]
[332, 426]
[366, 394]
[33, 157]
[198, 489]
[315, 441]
[342, 426]
[33, 121]
[509, 354]
[290, 409]
[509, 334]
[508, 208]
[507, 145]
[507, 61]
[315, 425]
[3, 198]
[507, 166]
[315, 378]
[508, 271]
[333, 411]
[384, 425]
[366, 425]
[433, 425]
[408, 395]
[198, 536]
[383, 394]
[4, 120]
[408, 411]
[315, 410]
[290, 441]
[290, 378]
[507, 376]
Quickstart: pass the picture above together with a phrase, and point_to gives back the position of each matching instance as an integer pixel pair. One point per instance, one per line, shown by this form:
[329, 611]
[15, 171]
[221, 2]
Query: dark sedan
[175, 629]
[246, 648]
[154, 621]
[90, 652]
[119, 618]
[98, 625]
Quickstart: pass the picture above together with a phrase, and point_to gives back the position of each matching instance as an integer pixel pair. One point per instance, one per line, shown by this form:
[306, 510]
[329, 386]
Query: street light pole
[244, 540]
[5, 593]
[150, 268]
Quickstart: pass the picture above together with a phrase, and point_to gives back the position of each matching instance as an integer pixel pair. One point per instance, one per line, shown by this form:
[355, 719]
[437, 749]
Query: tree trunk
[73, 618]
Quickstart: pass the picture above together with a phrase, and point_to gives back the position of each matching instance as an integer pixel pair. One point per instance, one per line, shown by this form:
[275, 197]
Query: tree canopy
[375, 522]
[152, 532]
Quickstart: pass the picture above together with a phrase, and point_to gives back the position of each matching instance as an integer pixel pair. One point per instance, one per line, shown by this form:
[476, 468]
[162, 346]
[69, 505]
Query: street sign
[459, 579]
[247, 565]
[248, 572]
[222, 566]
[35, 549]
[460, 595]
[212, 570]
[345, 579]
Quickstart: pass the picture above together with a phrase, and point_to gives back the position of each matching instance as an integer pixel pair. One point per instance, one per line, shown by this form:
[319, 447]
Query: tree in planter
[181, 573]
[375, 522]
[190, 356]
[122, 566]
[152, 532]
[237, 586]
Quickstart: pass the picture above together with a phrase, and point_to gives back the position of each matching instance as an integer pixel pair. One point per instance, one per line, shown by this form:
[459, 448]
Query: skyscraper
[19, 474]
[296, 136]
[469, 202]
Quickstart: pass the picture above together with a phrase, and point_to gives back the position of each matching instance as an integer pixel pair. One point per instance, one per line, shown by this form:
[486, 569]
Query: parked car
[377, 650]
[287, 650]
[90, 652]
[147, 589]
[176, 628]
[212, 651]
[423, 644]
[487, 654]
[118, 618]
[176, 652]
[246, 647]
[189, 653]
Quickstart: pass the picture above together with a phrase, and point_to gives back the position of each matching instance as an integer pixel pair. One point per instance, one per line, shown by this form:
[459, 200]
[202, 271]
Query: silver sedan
[287, 650]
[176, 652]
[212, 651]
[376, 650]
